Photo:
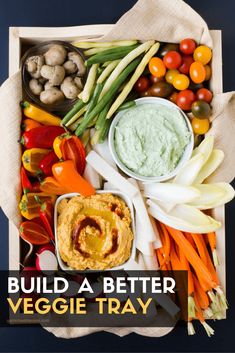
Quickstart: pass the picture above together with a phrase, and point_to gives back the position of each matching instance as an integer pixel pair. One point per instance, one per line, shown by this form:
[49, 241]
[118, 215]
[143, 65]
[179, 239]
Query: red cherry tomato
[187, 60]
[197, 72]
[142, 84]
[173, 97]
[185, 99]
[204, 94]
[157, 67]
[172, 60]
[187, 46]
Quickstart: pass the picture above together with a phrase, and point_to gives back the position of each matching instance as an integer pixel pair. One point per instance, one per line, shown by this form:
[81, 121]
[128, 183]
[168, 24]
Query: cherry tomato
[185, 99]
[155, 79]
[157, 67]
[200, 126]
[168, 47]
[208, 72]
[187, 60]
[204, 94]
[201, 109]
[172, 60]
[187, 46]
[173, 97]
[181, 82]
[161, 89]
[195, 86]
[170, 75]
[142, 84]
[145, 93]
[202, 54]
[197, 72]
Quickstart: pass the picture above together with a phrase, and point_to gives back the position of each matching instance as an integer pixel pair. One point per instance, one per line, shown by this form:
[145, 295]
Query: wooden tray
[20, 38]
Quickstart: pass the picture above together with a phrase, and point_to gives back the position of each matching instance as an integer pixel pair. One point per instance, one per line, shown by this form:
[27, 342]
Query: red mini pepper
[73, 149]
[45, 166]
[25, 182]
[46, 211]
[41, 137]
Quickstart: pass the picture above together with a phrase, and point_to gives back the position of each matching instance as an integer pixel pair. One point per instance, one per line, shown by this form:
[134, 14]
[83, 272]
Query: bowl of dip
[151, 141]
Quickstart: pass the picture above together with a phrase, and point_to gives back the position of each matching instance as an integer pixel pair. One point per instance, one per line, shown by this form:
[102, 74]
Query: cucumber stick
[108, 96]
[128, 87]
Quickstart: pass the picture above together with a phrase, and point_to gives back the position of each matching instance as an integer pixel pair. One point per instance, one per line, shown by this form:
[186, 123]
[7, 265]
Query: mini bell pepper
[33, 112]
[34, 233]
[57, 144]
[25, 182]
[41, 137]
[29, 124]
[51, 186]
[36, 186]
[32, 157]
[29, 205]
[46, 211]
[73, 149]
[45, 166]
[66, 174]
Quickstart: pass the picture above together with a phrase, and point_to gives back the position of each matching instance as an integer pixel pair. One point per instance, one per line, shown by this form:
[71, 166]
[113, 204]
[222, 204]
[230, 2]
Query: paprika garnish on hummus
[94, 232]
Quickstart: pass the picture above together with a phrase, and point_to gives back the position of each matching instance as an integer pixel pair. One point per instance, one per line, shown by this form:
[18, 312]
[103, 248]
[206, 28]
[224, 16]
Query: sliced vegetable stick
[124, 63]
[200, 247]
[89, 83]
[138, 72]
[161, 262]
[107, 71]
[76, 116]
[209, 330]
[212, 241]
[110, 174]
[201, 296]
[117, 43]
[166, 242]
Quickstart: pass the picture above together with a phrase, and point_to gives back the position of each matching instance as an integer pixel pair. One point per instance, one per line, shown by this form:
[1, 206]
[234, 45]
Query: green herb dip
[150, 139]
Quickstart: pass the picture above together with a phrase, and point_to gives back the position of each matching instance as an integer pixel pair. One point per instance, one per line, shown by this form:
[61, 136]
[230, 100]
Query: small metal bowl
[40, 49]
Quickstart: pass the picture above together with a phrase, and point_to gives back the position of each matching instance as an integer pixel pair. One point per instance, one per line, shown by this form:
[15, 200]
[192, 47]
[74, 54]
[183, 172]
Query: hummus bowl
[119, 253]
[152, 141]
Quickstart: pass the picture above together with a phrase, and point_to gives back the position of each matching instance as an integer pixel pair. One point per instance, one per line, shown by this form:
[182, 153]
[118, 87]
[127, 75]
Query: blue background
[218, 15]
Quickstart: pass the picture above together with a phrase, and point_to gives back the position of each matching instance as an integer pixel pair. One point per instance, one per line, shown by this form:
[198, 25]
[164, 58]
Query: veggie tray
[128, 117]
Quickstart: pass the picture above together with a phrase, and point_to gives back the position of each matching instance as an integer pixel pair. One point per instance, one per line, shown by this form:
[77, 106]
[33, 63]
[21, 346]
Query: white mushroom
[78, 83]
[47, 85]
[78, 60]
[55, 74]
[69, 88]
[34, 64]
[55, 55]
[70, 67]
[51, 96]
[35, 86]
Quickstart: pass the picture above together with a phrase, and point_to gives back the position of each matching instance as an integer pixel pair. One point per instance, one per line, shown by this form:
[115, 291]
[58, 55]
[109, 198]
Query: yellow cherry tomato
[202, 54]
[208, 72]
[170, 75]
[181, 82]
[157, 67]
[197, 72]
[200, 126]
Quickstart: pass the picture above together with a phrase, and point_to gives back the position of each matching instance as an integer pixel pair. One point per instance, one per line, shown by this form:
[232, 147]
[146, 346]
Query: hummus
[94, 232]
[150, 139]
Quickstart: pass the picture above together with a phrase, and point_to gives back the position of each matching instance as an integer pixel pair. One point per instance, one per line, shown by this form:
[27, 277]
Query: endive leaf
[205, 147]
[188, 174]
[213, 195]
[170, 192]
[211, 165]
[185, 218]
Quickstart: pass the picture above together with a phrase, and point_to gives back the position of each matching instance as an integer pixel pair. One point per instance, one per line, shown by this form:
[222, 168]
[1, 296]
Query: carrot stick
[199, 293]
[161, 260]
[200, 246]
[212, 242]
[199, 313]
[166, 241]
[193, 258]
[190, 239]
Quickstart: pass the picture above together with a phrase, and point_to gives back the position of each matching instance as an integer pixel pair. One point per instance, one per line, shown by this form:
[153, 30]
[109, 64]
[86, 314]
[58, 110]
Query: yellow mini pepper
[32, 157]
[33, 112]
[57, 142]
[30, 204]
